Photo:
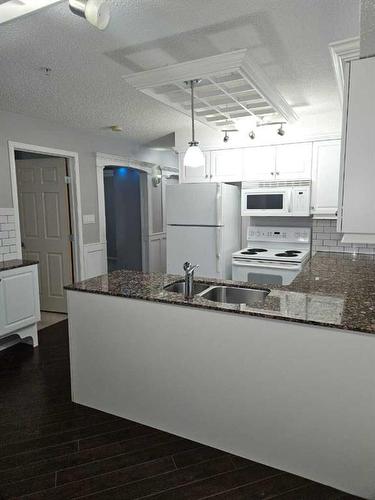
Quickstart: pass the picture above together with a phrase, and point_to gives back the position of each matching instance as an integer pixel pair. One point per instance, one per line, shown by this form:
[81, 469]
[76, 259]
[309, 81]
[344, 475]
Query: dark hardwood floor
[52, 448]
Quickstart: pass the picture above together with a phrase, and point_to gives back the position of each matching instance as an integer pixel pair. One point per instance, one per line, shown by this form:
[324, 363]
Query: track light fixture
[252, 135]
[96, 12]
[226, 132]
[280, 130]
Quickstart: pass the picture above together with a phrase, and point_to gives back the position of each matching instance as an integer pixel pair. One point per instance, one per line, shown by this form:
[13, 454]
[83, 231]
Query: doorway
[122, 198]
[46, 223]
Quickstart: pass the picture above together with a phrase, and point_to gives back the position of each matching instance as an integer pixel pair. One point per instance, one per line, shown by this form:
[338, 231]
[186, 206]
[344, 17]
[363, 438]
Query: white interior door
[45, 226]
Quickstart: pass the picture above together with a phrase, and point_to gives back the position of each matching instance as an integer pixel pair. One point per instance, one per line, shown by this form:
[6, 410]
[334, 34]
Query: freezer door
[198, 245]
[194, 204]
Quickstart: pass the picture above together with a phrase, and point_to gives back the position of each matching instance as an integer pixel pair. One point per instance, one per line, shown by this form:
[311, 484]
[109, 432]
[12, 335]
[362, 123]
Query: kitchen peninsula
[287, 382]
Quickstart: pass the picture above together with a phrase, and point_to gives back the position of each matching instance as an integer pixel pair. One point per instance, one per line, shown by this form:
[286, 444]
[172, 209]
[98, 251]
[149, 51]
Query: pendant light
[194, 158]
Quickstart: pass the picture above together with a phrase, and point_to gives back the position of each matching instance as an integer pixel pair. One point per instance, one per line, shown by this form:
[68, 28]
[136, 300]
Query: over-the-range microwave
[279, 198]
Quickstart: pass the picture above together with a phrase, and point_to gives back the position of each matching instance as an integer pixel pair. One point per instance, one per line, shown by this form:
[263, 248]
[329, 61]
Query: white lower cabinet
[19, 301]
[325, 178]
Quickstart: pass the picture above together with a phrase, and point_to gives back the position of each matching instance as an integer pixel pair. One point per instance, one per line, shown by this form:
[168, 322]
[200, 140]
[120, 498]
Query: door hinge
[71, 237]
[67, 179]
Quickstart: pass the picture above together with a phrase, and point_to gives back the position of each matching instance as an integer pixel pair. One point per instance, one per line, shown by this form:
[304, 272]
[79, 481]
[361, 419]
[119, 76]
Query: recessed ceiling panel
[230, 87]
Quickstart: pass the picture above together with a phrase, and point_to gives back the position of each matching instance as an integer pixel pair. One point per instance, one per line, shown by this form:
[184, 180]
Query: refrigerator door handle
[218, 250]
[219, 205]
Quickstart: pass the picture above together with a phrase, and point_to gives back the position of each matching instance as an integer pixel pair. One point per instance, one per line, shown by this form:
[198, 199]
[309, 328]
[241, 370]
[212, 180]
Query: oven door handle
[287, 267]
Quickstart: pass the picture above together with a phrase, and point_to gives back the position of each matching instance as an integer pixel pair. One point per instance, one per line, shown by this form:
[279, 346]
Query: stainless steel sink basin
[180, 287]
[233, 295]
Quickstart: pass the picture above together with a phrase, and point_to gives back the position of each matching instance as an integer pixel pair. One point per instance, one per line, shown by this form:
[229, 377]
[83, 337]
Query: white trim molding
[76, 206]
[95, 259]
[342, 52]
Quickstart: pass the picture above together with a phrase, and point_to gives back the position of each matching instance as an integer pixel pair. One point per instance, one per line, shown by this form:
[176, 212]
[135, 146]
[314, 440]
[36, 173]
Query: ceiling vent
[231, 87]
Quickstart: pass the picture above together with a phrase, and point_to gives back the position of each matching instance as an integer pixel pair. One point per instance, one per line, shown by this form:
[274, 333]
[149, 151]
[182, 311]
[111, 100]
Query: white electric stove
[274, 255]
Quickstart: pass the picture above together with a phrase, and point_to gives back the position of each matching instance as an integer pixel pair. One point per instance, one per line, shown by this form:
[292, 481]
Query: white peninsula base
[293, 396]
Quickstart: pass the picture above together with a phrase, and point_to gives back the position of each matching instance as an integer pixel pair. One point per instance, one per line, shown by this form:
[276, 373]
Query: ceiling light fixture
[226, 132]
[252, 135]
[194, 157]
[280, 130]
[96, 12]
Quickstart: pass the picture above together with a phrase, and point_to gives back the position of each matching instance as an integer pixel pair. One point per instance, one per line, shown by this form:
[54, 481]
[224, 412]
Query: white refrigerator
[203, 227]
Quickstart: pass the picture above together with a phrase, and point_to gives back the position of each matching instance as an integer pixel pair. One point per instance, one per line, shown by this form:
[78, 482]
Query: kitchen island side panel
[297, 397]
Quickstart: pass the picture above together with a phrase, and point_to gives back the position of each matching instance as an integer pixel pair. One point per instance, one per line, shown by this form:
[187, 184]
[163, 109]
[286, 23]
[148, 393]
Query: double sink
[224, 294]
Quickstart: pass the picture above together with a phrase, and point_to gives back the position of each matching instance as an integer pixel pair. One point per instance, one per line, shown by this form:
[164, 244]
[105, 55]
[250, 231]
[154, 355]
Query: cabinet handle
[206, 176]
[211, 176]
[272, 173]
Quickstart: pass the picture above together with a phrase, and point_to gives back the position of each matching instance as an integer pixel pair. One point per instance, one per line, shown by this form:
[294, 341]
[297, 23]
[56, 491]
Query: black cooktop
[254, 251]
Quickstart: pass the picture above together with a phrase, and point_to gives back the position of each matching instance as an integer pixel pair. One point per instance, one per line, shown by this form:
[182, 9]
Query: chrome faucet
[189, 279]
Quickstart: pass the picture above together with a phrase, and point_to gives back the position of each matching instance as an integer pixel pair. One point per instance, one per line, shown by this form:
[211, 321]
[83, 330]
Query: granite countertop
[333, 289]
[13, 264]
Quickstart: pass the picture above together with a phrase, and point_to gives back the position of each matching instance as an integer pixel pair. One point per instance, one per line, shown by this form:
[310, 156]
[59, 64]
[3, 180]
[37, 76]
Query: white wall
[367, 28]
[25, 129]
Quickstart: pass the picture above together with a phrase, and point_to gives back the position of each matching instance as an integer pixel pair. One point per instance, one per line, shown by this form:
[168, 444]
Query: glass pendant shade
[194, 158]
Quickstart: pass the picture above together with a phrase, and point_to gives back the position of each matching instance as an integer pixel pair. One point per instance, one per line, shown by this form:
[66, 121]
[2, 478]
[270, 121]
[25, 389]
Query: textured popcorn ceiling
[287, 38]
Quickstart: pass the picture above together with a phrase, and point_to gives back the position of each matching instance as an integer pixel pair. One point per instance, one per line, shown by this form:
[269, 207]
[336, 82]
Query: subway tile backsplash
[8, 248]
[325, 238]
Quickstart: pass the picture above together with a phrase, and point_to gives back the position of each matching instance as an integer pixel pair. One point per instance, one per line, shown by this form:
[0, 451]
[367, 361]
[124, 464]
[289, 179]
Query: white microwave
[281, 199]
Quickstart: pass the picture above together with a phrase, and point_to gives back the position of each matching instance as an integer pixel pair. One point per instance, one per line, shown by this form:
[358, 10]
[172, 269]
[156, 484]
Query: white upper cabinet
[226, 165]
[259, 163]
[293, 161]
[358, 174]
[200, 174]
[325, 178]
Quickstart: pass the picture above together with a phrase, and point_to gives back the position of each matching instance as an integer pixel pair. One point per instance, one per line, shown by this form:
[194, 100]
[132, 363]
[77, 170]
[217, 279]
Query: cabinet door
[293, 161]
[359, 172]
[19, 299]
[325, 178]
[201, 174]
[226, 165]
[259, 163]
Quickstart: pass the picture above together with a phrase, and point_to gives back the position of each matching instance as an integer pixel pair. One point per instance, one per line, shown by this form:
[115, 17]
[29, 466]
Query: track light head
[280, 130]
[96, 12]
[226, 137]
[252, 135]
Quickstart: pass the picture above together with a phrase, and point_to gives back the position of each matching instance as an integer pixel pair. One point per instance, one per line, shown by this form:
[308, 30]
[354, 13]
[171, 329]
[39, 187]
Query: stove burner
[253, 251]
[288, 253]
[293, 251]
